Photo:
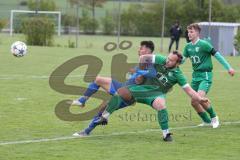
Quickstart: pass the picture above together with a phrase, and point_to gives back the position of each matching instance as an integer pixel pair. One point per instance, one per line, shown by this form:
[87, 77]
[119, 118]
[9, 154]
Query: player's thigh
[150, 100]
[114, 86]
[159, 103]
[147, 95]
[143, 91]
[104, 82]
[204, 86]
[195, 85]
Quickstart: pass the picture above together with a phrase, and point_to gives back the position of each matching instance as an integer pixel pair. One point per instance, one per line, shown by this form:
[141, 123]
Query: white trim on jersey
[186, 85]
[153, 58]
[206, 75]
[196, 41]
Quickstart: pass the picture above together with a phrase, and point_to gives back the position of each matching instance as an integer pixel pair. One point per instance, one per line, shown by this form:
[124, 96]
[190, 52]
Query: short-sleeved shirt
[165, 78]
[200, 55]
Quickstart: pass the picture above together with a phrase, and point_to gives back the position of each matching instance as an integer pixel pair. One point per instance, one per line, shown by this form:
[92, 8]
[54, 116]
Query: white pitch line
[104, 135]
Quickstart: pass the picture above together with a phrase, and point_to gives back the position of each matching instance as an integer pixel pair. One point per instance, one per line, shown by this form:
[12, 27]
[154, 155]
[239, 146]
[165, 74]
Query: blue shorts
[115, 85]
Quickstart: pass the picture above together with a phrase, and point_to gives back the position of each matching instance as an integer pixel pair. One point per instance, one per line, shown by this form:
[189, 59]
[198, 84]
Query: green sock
[211, 112]
[204, 117]
[163, 119]
[114, 104]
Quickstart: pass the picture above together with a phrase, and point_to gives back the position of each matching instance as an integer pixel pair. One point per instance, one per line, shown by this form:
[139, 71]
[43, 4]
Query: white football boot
[215, 122]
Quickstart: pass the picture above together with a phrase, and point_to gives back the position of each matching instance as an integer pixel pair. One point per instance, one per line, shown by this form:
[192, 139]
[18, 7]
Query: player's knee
[98, 80]
[158, 105]
[125, 94]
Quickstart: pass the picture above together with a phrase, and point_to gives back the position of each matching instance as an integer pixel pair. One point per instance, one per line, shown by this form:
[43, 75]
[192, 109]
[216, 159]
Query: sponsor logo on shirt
[197, 49]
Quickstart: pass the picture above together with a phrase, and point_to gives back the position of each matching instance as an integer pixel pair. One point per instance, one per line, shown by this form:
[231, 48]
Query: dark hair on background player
[148, 44]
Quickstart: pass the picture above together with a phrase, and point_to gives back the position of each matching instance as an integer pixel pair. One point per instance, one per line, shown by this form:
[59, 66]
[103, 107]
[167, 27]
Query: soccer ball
[19, 49]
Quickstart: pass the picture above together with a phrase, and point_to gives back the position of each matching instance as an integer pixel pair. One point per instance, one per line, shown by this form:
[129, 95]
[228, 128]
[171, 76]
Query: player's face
[172, 61]
[143, 50]
[193, 34]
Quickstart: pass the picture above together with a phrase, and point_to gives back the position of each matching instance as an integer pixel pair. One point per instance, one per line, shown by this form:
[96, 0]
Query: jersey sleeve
[181, 79]
[159, 59]
[208, 47]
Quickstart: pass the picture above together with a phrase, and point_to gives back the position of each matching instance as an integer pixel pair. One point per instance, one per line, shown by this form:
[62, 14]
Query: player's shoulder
[160, 56]
[204, 42]
[188, 44]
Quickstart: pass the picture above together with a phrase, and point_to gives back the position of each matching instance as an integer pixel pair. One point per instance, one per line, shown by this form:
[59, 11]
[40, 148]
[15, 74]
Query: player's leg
[160, 105]
[123, 98]
[152, 96]
[177, 43]
[115, 85]
[204, 88]
[92, 125]
[104, 82]
[170, 45]
[198, 107]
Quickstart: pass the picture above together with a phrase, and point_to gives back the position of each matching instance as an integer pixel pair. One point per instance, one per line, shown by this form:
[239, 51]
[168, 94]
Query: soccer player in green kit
[152, 90]
[200, 52]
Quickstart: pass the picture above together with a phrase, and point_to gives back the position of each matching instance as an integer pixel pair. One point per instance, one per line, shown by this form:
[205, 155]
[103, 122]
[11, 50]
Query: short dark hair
[179, 55]
[148, 44]
[194, 26]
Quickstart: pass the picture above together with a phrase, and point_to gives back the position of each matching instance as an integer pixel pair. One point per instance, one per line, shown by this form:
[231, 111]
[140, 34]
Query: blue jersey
[149, 72]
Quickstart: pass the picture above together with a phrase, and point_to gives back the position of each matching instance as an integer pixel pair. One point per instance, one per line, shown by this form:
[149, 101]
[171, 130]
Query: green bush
[237, 41]
[23, 3]
[44, 5]
[108, 24]
[139, 21]
[2, 24]
[71, 44]
[68, 20]
[88, 24]
[38, 31]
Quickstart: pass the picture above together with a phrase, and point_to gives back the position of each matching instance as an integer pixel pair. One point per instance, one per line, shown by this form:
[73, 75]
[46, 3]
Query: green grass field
[29, 128]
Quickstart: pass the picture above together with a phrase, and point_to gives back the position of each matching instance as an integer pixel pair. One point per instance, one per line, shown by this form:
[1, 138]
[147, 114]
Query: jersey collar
[196, 41]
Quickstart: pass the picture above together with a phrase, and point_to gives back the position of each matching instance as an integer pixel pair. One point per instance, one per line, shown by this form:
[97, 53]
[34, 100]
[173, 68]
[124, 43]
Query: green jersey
[200, 55]
[166, 78]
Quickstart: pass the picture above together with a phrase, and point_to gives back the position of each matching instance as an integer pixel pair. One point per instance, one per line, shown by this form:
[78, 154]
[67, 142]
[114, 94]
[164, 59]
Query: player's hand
[132, 70]
[139, 80]
[231, 72]
[203, 100]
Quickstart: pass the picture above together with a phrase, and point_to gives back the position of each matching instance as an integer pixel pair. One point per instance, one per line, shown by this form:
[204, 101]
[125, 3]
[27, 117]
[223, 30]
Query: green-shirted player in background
[200, 52]
[152, 90]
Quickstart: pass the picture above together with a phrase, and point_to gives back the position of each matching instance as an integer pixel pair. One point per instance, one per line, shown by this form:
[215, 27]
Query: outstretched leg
[104, 82]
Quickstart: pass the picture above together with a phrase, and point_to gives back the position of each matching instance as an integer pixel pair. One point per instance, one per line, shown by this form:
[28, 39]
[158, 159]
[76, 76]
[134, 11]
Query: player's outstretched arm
[225, 63]
[144, 60]
[194, 95]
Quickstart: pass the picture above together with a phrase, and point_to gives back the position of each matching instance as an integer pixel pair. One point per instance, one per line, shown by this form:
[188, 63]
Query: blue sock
[92, 125]
[92, 88]
[112, 89]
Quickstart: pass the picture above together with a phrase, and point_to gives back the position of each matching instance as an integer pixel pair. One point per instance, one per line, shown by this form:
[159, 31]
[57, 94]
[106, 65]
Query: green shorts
[201, 81]
[146, 94]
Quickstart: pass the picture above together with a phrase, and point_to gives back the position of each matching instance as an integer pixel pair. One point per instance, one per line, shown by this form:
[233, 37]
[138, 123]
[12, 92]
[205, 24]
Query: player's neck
[194, 41]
